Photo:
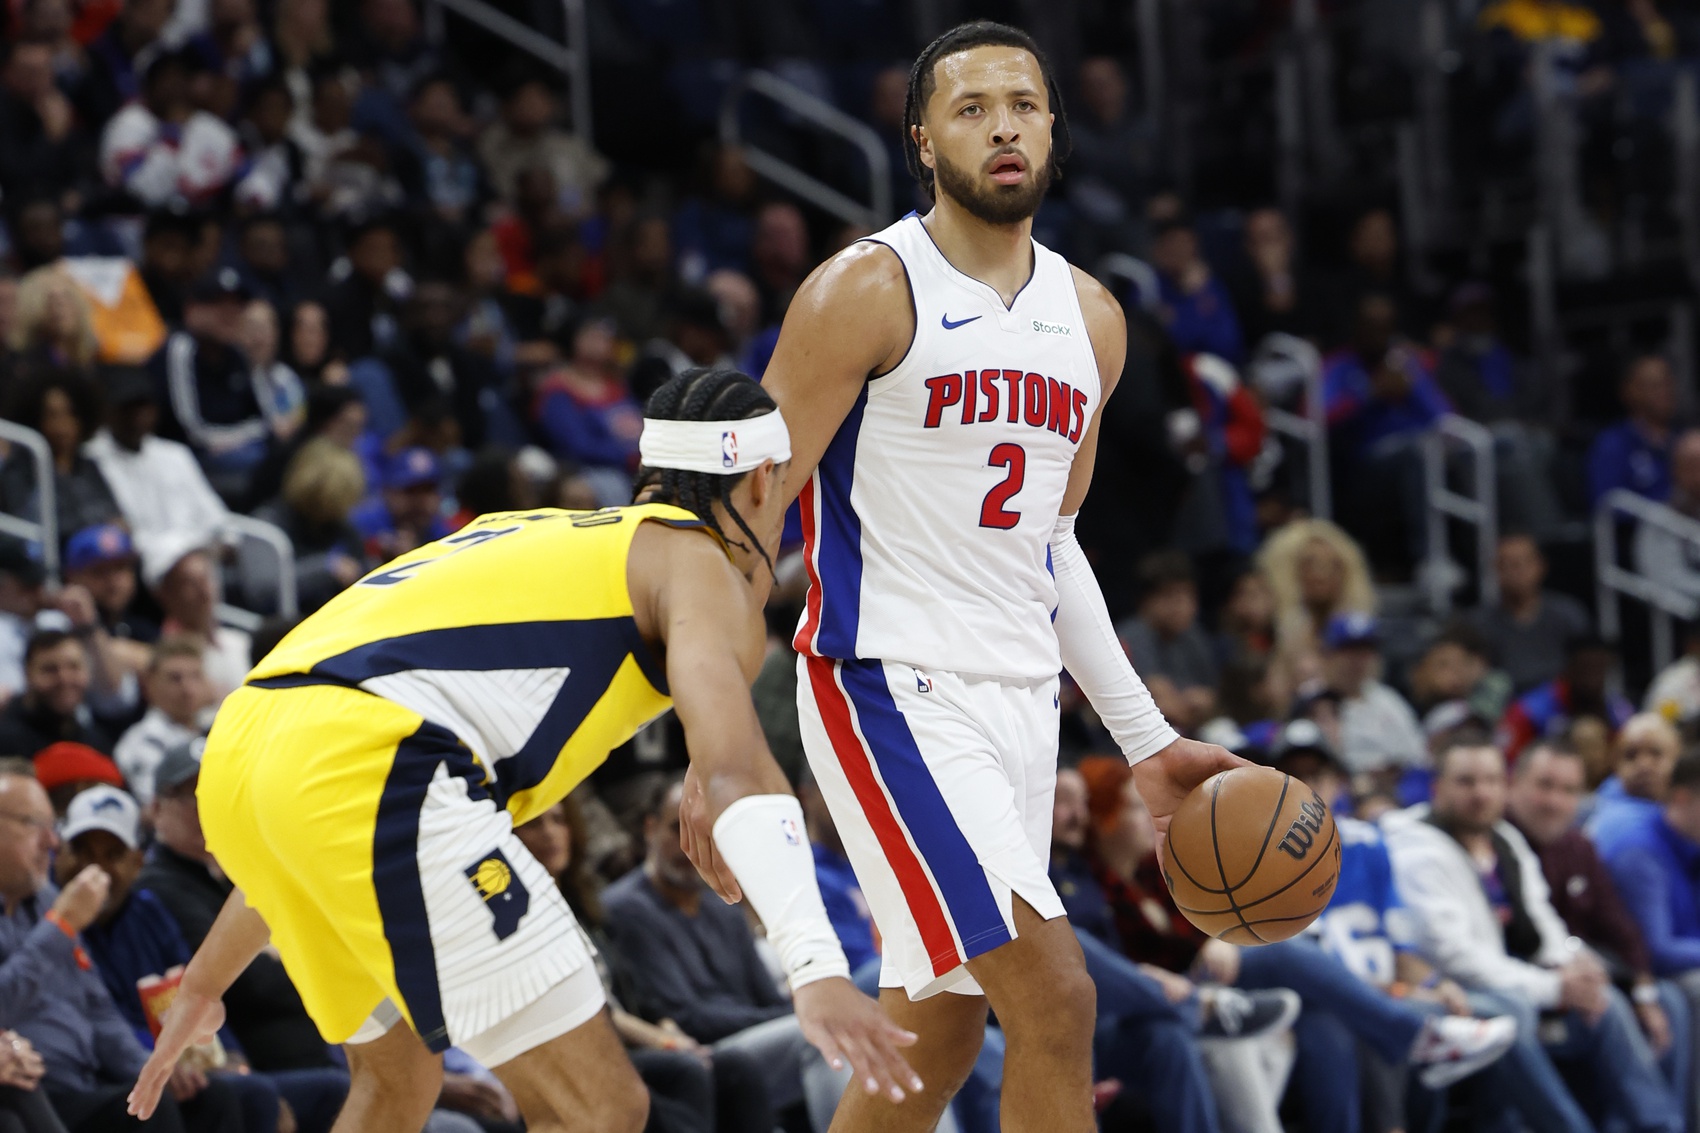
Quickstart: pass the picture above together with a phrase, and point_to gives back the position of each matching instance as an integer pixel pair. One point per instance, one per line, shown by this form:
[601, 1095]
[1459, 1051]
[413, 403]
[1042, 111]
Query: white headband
[720, 448]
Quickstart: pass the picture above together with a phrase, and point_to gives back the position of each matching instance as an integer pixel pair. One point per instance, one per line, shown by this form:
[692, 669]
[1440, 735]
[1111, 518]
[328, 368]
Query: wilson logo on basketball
[1304, 830]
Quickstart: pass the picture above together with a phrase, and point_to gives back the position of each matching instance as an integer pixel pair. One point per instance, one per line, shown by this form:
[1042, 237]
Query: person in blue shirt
[1380, 397]
[1196, 307]
[409, 513]
[1653, 854]
[1635, 452]
[1643, 758]
[135, 937]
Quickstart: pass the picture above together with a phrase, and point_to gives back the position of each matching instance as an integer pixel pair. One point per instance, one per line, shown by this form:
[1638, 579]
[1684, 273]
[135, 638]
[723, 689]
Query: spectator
[1148, 1027]
[1675, 691]
[1527, 630]
[1635, 453]
[102, 560]
[262, 1007]
[365, 304]
[449, 392]
[1580, 692]
[437, 168]
[695, 962]
[1380, 397]
[691, 1088]
[23, 1107]
[527, 136]
[184, 579]
[53, 328]
[1195, 305]
[1374, 267]
[1109, 167]
[1378, 730]
[309, 346]
[1666, 558]
[177, 694]
[54, 703]
[1643, 757]
[1315, 573]
[1483, 916]
[1245, 628]
[1277, 294]
[21, 577]
[41, 150]
[409, 514]
[1224, 435]
[587, 412]
[1454, 670]
[161, 149]
[1543, 804]
[65, 770]
[133, 938]
[779, 256]
[64, 407]
[1166, 644]
[277, 387]
[117, 56]
[713, 231]
[164, 496]
[167, 267]
[321, 488]
[56, 1000]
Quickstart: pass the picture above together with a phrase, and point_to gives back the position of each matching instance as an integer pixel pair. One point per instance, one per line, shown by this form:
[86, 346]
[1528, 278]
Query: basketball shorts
[387, 873]
[941, 788]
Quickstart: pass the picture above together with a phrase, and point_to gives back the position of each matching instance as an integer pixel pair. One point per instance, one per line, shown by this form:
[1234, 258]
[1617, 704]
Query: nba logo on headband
[729, 450]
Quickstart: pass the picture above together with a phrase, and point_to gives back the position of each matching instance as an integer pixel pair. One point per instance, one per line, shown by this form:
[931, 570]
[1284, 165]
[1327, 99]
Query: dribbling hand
[192, 1018]
[848, 1028]
[1168, 777]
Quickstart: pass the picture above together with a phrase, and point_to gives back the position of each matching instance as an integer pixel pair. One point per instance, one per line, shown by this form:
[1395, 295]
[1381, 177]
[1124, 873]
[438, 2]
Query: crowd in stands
[349, 270]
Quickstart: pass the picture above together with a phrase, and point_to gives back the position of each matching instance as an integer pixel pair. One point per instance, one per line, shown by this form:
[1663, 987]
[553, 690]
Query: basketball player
[361, 789]
[943, 381]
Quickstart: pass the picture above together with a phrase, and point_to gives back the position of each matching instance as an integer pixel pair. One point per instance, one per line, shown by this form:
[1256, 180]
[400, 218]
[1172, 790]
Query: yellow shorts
[365, 837]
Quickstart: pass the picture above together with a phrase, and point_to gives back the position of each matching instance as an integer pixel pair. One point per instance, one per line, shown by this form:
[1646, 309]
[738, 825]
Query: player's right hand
[850, 1029]
[696, 838]
[80, 902]
[192, 1018]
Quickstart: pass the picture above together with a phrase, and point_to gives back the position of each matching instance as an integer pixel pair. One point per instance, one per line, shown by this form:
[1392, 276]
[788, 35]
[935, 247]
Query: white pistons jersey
[928, 521]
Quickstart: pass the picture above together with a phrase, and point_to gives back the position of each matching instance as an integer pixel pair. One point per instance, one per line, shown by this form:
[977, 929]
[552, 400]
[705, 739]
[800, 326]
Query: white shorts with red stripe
[941, 788]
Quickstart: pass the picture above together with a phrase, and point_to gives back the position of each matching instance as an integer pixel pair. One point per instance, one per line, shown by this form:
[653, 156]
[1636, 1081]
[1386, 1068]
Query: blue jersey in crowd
[1657, 871]
[1365, 923]
[1623, 456]
[846, 908]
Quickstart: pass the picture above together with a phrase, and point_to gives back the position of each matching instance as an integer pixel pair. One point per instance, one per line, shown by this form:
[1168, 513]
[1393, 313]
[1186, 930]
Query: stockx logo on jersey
[1011, 395]
[504, 894]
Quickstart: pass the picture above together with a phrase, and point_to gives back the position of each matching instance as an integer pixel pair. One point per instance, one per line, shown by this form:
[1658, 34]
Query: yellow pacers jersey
[515, 633]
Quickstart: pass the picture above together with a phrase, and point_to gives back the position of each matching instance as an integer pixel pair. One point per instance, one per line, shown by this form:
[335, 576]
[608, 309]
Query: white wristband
[762, 839]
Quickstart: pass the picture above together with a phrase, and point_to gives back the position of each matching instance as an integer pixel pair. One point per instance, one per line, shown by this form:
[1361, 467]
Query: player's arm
[852, 318]
[196, 1014]
[1165, 765]
[740, 823]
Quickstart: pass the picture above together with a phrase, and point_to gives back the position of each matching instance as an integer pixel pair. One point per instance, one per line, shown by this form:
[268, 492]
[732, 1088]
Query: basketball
[1252, 856]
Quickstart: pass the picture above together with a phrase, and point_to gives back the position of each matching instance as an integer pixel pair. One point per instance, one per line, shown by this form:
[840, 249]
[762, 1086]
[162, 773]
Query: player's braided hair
[923, 82]
[704, 394]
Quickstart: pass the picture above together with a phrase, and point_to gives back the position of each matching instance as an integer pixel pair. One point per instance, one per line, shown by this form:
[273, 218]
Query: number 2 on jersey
[992, 512]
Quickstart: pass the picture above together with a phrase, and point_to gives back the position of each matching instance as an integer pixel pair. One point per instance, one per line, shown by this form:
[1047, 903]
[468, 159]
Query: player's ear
[922, 144]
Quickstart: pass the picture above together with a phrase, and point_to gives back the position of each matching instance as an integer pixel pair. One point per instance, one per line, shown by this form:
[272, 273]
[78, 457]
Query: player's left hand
[1167, 778]
[192, 1018]
[696, 838]
[848, 1028]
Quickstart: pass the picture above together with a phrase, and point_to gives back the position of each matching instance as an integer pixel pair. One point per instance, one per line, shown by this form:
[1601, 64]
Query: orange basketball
[1252, 856]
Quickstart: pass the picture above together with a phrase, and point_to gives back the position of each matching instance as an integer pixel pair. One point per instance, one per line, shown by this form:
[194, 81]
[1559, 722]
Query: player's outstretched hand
[191, 1019]
[1165, 779]
[696, 838]
[850, 1029]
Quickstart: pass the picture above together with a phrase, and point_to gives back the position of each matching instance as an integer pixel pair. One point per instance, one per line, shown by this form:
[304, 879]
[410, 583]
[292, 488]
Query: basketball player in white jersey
[943, 381]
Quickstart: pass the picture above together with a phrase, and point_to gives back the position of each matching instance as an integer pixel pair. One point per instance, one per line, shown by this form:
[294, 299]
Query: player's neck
[998, 255]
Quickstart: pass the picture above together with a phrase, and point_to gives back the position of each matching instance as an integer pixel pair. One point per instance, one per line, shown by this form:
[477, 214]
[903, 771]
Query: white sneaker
[1450, 1048]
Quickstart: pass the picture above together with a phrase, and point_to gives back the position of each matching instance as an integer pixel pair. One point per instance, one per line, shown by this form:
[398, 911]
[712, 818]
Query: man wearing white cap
[385, 749]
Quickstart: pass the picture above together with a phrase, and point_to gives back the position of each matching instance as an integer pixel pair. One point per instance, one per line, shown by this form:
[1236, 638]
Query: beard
[990, 202]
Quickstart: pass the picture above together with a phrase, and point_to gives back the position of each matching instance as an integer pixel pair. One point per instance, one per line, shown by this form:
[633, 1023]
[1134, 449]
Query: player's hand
[80, 902]
[192, 1018]
[1167, 778]
[850, 1029]
[696, 838]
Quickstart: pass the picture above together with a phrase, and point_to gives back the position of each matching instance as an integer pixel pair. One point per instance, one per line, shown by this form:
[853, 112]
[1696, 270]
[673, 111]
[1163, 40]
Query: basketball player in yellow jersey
[361, 789]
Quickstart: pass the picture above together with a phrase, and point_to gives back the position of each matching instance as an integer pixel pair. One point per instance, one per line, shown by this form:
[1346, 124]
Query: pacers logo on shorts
[504, 894]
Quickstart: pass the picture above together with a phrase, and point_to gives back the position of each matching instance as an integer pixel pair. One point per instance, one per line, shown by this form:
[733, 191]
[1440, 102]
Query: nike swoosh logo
[948, 325]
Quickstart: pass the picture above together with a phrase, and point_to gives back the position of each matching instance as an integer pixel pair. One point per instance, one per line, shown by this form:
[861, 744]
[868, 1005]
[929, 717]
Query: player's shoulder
[1096, 302]
[865, 269]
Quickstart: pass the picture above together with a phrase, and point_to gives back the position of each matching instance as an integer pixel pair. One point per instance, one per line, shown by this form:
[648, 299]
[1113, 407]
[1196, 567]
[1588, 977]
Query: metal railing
[44, 530]
[245, 531]
[1613, 582]
[1480, 510]
[1309, 428]
[797, 102]
[572, 59]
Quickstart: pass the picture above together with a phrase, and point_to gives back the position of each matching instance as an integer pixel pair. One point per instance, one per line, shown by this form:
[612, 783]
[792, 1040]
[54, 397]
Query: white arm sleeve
[761, 838]
[1095, 658]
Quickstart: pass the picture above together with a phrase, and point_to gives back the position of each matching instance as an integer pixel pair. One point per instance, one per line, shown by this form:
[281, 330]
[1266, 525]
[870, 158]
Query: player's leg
[579, 1082]
[1046, 1004]
[393, 1080]
[949, 1030]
